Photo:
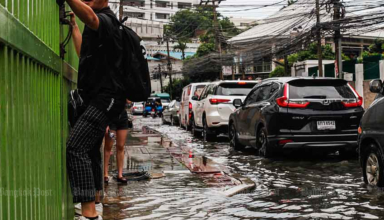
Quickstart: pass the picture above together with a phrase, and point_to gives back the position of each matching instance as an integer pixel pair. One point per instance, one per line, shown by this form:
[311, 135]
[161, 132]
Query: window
[263, 66]
[234, 89]
[134, 3]
[252, 97]
[161, 4]
[205, 92]
[181, 5]
[264, 93]
[320, 90]
[198, 90]
[162, 16]
[134, 15]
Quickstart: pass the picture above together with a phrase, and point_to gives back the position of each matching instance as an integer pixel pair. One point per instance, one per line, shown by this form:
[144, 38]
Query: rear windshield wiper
[315, 97]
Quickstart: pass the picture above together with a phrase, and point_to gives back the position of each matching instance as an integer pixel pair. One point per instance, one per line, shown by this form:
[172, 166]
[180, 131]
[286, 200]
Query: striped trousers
[84, 165]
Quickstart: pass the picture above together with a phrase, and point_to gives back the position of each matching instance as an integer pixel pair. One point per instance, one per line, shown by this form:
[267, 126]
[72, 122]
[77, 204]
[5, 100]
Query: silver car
[171, 113]
[137, 108]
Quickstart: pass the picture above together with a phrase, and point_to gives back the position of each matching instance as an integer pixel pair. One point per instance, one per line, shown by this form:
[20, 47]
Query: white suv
[187, 104]
[215, 106]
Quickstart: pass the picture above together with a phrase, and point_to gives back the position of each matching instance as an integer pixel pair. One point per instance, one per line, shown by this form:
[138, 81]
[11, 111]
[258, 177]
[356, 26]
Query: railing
[34, 83]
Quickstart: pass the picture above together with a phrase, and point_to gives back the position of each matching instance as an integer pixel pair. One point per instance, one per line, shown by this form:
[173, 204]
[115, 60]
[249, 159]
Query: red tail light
[283, 142]
[241, 83]
[353, 104]
[135, 107]
[357, 103]
[283, 101]
[217, 101]
[190, 110]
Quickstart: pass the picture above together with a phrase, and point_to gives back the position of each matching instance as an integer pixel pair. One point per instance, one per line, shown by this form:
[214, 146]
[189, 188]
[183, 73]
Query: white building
[153, 10]
[243, 23]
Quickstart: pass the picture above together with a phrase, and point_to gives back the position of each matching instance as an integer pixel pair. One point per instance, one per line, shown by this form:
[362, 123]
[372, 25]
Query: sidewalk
[174, 170]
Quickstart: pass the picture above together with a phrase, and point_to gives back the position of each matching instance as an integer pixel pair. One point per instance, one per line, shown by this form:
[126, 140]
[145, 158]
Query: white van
[187, 104]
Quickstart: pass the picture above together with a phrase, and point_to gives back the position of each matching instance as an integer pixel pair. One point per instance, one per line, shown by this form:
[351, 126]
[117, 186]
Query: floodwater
[294, 187]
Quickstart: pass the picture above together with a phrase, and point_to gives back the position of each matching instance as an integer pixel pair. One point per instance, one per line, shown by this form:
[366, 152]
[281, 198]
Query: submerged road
[294, 187]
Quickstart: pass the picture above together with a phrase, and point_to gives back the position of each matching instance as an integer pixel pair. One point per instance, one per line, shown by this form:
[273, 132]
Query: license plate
[326, 125]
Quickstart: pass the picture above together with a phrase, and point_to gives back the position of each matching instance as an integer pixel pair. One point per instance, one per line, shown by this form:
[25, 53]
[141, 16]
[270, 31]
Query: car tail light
[218, 101]
[360, 130]
[356, 102]
[135, 107]
[190, 110]
[283, 142]
[283, 101]
[241, 83]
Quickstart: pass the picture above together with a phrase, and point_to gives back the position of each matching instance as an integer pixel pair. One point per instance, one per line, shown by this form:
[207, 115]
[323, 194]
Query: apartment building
[154, 10]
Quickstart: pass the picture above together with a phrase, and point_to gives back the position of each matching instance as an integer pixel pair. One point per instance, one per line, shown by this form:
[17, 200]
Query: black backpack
[135, 79]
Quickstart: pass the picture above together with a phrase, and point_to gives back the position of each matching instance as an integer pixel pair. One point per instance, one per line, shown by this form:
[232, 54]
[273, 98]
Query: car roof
[234, 81]
[290, 79]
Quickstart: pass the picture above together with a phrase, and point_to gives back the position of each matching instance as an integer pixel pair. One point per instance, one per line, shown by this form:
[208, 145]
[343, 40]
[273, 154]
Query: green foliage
[182, 46]
[186, 22]
[205, 49]
[278, 72]
[311, 54]
[177, 88]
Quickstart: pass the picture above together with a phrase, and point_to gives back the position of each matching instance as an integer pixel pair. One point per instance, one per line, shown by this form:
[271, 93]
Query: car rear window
[331, 89]
[234, 89]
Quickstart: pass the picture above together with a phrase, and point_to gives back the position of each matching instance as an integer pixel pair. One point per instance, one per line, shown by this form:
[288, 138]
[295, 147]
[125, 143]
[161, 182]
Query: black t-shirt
[100, 65]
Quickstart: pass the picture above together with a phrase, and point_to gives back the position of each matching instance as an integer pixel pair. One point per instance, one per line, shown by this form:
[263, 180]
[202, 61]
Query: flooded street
[294, 187]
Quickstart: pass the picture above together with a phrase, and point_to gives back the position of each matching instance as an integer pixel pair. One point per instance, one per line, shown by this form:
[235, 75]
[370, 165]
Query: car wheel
[194, 132]
[233, 141]
[206, 135]
[373, 166]
[262, 143]
[163, 120]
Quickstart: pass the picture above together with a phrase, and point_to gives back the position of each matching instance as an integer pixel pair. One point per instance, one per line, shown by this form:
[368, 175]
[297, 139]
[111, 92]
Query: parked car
[371, 138]
[187, 104]
[212, 111]
[171, 113]
[297, 113]
[137, 108]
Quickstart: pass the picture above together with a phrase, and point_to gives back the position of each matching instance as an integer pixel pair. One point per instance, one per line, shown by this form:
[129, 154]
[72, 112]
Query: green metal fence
[371, 67]
[34, 83]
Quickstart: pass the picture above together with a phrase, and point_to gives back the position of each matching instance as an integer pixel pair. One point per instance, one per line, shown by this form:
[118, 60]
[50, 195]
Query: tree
[277, 72]
[182, 46]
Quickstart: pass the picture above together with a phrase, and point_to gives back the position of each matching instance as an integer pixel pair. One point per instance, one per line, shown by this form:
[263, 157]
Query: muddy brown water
[293, 187]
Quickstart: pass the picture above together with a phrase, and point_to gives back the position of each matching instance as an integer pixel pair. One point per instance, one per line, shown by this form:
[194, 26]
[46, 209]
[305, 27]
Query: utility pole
[161, 80]
[319, 51]
[337, 38]
[169, 65]
[217, 36]
[121, 10]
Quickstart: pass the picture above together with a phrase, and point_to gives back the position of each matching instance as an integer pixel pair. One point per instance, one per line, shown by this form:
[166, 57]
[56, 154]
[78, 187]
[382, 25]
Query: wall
[34, 83]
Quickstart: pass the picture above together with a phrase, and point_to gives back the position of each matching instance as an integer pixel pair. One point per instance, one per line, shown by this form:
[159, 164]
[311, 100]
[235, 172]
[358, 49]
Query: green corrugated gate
[34, 83]
[371, 67]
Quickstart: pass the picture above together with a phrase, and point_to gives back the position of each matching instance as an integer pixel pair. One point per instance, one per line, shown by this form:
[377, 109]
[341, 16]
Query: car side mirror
[195, 98]
[237, 103]
[178, 99]
[375, 86]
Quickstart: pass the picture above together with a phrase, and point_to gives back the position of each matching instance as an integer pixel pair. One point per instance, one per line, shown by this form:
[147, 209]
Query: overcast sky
[248, 8]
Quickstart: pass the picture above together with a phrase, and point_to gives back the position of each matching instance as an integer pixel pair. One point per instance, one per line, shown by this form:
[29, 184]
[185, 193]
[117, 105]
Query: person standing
[100, 52]
[120, 129]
